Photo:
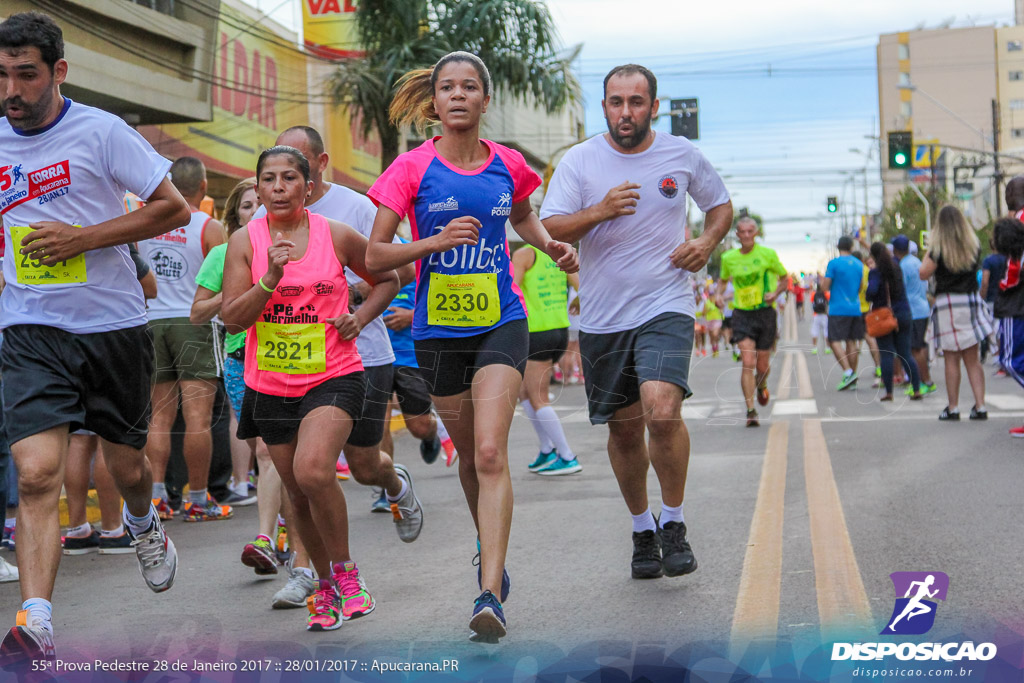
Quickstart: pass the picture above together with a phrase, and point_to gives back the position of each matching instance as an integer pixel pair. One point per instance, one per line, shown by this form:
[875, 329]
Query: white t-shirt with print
[626, 277]
[76, 170]
[347, 206]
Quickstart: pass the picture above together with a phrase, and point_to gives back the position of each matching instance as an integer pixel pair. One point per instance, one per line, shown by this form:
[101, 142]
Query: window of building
[903, 51]
[162, 6]
[1017, 75]
[1016, 104]
[905, 110]
[1018, 132]
[904, 78]
[1014, 46]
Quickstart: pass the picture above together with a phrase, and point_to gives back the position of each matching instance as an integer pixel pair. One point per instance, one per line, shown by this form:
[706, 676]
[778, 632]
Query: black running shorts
[617, 363]
[98, 381]
[759, 325]
[412, 392]
[846, 328]
[549, 345]
[448, 365]
[919, 331]
[276, 419]
[369, 428]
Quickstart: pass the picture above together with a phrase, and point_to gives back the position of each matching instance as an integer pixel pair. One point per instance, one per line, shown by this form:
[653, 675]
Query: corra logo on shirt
[447, 205]
[504, 207]
[323, 288]
[44, 184]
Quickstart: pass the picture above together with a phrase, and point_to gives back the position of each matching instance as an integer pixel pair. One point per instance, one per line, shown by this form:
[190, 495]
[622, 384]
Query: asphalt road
[796, 526]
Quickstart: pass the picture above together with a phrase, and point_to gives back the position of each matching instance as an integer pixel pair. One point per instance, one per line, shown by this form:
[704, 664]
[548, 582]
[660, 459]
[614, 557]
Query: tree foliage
[516, 39]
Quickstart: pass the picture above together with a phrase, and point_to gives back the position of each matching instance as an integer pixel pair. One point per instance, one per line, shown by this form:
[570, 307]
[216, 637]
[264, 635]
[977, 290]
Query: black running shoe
[752, 419]
[646, 562]
[676, 556]
[429, 449]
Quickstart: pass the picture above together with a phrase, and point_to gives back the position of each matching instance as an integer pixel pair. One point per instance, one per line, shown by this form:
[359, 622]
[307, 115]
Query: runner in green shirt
[752, 268]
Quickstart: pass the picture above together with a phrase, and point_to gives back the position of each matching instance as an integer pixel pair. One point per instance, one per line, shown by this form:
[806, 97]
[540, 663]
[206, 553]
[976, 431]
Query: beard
[641, 129]
[32, 114]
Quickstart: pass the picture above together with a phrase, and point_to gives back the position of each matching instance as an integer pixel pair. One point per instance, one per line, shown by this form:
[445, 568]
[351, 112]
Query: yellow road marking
[784, 386]
[804, 377]
[842, 601]
[756, 615]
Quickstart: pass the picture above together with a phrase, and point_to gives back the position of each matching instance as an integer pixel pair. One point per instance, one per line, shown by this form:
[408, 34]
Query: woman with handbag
[960, 319]
[890, 321]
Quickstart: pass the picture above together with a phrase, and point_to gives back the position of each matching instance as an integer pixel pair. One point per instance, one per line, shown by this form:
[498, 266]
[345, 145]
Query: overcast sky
[787, 88]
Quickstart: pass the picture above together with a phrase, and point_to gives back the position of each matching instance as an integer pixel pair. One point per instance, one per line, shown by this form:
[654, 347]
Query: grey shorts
[617, 363]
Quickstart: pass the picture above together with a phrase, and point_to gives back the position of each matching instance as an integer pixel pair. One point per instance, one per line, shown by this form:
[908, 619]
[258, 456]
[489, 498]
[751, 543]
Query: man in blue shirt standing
[920, 309]
[843, 278]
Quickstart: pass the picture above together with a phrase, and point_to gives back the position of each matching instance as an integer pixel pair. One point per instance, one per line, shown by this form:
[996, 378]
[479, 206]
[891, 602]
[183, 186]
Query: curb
[92, 503]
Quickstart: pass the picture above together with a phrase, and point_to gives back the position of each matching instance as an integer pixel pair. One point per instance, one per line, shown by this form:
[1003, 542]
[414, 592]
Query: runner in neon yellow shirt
[751, 267]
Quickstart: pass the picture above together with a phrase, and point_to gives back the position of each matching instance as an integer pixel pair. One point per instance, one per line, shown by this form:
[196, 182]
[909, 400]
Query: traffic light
[807, 237]
[900, 144]
[833, 205]
[685, 118]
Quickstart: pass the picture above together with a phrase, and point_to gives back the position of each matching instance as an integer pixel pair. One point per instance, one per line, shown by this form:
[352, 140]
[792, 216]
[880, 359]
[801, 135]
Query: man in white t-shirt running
[76, 352]
[622, 195]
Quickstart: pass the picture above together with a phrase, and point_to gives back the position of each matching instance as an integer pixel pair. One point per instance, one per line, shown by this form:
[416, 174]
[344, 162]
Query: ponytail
[413, 101]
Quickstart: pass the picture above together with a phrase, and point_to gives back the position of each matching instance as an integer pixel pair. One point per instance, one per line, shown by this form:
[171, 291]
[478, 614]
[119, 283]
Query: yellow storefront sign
[263, 83]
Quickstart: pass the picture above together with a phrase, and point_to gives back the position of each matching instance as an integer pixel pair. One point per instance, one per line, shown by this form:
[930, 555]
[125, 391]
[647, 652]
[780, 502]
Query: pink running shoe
[343, 471]
[355, 599]
[451, 455]
[323, 605]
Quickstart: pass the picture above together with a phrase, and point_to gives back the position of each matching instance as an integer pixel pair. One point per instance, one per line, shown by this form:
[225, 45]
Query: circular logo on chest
[668, 186]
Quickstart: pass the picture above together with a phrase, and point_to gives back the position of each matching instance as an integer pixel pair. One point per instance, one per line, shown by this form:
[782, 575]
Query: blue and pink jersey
[432, 192]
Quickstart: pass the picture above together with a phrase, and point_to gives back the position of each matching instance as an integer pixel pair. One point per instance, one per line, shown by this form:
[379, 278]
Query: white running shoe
[8, 572]
[408, 512]
[28, 641]
[158, 561]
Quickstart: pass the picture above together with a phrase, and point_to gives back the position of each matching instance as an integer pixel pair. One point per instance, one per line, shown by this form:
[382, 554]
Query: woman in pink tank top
[284, 283]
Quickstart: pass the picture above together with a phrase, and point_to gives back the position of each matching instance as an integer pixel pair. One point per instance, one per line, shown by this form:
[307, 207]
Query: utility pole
[998, 176]
[931, 164]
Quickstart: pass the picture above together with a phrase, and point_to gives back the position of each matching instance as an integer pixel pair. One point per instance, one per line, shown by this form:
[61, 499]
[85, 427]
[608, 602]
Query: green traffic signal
[900, 144]
[832, 205]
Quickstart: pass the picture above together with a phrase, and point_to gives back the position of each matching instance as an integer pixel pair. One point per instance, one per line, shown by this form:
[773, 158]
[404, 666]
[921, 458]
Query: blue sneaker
[543, 460]
[488, 622]
[561, 466]
[380, 503]
[506, 582]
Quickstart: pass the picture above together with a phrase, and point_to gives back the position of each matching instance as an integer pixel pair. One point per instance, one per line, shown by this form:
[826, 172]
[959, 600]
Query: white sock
[40, 612]
[442, 431]
[643, 522]
[160, 490]
[113, 533]
[197, 497]
[553, 428]
[395, 499]
[137, 525]
[305, 570]
[341, 458]
[241, 489]
[847, 373]
[546, 444]
[82, 531]
[670, 514]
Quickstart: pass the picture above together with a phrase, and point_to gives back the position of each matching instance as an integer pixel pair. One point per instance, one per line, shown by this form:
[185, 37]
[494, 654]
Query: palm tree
[515, 38]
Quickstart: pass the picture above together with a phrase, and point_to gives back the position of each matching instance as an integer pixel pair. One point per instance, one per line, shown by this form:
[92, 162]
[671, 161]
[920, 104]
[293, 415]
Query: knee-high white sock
[442, 432]
[552, 426]
[546, 444]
